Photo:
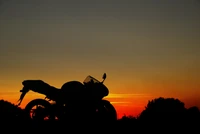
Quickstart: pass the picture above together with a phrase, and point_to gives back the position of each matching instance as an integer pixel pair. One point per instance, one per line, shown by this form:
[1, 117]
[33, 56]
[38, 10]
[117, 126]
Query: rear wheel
[39, 109]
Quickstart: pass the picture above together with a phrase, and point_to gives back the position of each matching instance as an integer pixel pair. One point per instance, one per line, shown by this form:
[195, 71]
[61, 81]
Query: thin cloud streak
[127, 95]
[120, 102]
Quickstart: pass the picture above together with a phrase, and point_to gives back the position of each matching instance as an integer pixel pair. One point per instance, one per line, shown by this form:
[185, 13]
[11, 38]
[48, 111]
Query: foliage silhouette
[169, 114]
[9, 111]
[193, 115]
[163, 109]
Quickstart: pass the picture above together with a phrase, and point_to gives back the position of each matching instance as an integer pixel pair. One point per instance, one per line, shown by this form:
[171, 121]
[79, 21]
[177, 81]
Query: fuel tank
[72, 90]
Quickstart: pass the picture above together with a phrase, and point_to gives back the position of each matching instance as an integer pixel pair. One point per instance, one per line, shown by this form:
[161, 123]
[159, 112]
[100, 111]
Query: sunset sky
[148, 48]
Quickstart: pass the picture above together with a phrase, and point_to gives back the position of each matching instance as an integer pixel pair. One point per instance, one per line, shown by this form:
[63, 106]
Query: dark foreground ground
[120, 126]
[160, 116]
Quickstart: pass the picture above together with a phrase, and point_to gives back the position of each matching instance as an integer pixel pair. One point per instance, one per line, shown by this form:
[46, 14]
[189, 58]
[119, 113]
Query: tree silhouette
[9, 111]
[193, 114]
[163, 109]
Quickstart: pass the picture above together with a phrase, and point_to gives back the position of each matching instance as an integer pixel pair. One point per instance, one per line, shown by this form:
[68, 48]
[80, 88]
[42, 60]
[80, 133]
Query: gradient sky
[148, 48]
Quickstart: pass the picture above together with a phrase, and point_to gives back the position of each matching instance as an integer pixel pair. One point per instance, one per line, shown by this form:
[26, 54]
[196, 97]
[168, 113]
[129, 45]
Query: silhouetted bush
[193, 115]
[128, 118]
[9, 111]
[163, 110]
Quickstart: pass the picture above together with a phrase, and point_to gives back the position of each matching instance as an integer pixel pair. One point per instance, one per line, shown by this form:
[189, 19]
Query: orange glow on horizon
[125, 104]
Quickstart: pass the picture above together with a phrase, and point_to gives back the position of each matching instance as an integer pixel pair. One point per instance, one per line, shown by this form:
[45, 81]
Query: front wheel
[105, 111]
[38, 109]
[100, 111]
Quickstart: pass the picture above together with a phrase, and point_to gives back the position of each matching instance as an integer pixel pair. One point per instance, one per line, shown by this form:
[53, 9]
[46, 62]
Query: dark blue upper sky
[142, 41]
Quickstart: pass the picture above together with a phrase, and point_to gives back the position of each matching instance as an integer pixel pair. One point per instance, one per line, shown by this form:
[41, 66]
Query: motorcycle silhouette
[74, 100]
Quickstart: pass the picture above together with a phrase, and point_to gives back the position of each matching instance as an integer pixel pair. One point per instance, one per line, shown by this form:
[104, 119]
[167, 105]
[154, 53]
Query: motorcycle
[74, 100]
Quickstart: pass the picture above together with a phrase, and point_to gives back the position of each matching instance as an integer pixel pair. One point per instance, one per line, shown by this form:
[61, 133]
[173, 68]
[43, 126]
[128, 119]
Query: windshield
[89, 79]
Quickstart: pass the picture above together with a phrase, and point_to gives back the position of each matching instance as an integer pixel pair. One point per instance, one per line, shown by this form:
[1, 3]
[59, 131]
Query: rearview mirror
[104, 76]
